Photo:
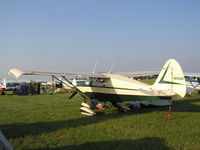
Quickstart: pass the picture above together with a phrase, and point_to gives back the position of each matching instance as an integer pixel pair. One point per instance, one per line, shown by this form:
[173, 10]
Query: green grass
[30, 123]
[148, 81]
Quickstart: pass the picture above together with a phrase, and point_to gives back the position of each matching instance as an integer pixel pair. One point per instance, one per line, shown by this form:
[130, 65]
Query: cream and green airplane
[116, 88]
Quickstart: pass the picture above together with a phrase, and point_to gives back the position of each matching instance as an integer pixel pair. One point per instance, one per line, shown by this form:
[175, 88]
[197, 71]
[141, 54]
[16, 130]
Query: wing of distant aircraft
[139, 74]
[192, 75]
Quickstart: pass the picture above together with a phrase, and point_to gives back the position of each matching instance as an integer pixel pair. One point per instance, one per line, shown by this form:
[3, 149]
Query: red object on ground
[99, 107]
[168, 117]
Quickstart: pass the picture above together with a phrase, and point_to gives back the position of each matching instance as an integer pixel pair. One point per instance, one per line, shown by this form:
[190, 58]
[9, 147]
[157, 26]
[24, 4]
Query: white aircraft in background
[115, 88]
[192, 82]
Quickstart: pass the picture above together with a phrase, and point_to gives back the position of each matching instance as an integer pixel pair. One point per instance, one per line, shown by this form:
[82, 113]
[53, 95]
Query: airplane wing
[189, 74]
[16, 73]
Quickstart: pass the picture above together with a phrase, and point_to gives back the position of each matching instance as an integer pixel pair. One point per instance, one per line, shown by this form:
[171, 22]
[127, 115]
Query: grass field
[31, 123]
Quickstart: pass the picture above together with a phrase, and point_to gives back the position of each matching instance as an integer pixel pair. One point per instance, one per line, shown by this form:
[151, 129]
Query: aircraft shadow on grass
[178, 106]
[25, 129]
[148, 143]
[187, 105]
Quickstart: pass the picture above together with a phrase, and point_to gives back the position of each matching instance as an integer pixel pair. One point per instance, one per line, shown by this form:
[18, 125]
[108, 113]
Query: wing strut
[76, 89]
[72, 86]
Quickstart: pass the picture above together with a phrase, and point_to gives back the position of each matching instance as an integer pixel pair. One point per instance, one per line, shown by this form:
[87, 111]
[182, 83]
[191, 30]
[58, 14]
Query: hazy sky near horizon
[71, 35]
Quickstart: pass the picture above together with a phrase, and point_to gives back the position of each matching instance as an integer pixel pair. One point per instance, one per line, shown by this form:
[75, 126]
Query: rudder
[171, 78]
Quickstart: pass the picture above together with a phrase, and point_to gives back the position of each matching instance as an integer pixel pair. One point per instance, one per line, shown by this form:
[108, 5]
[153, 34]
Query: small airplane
[192, 82]
[116, 88]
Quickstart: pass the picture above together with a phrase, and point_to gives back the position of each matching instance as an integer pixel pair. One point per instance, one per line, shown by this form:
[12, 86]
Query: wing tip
[15, 73]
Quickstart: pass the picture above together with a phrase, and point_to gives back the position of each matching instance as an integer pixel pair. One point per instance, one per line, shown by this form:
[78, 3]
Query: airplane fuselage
[117, 94]
[118, 89]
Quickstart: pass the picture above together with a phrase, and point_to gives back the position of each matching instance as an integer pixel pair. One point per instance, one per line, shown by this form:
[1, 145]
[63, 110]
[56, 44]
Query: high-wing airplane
[116, 89]
[192, 82]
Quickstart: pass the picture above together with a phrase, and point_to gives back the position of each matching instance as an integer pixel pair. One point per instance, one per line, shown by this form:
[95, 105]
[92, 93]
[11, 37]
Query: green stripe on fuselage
[113, 98]
[106, 87]
[168, 82]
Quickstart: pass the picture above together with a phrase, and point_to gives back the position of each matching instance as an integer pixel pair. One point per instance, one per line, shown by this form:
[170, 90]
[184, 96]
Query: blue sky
[71, 35]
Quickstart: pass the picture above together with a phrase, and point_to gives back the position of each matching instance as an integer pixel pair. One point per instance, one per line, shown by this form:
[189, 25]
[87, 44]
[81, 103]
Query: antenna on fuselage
[94, 67]
[111, 67]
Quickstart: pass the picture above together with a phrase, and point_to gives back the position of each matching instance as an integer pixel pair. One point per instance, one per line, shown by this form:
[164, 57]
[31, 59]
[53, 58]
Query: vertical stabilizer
[171, 78]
